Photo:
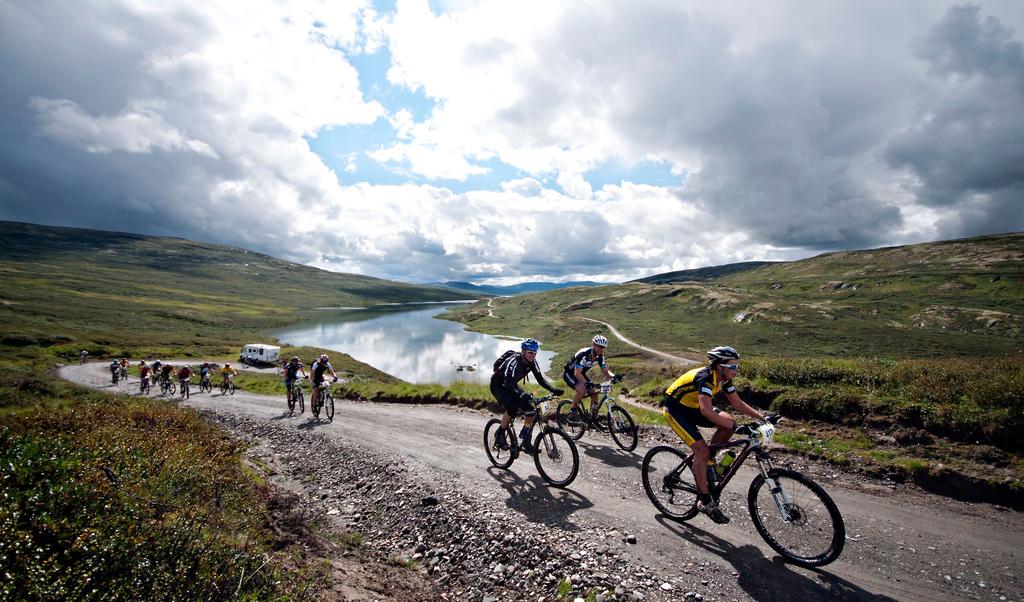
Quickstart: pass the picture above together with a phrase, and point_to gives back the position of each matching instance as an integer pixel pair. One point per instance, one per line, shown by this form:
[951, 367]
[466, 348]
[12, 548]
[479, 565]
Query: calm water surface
[407, 341]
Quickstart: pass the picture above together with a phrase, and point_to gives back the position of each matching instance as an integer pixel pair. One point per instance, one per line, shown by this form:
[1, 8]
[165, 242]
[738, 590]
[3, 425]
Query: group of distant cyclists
[687, 402]
[157, 371]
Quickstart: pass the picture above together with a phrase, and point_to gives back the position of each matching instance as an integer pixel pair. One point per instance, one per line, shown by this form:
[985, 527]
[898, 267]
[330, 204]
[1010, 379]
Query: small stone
[333, 512]
[666, 586]
[430, 501]
[631, 539]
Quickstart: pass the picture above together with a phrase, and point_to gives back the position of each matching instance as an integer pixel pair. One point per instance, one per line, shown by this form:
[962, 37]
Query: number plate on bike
[606, 388]
[548, 407]
[766, 432]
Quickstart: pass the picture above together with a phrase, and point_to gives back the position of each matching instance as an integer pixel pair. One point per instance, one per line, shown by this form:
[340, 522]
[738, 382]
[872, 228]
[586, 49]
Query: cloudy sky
[498, 141]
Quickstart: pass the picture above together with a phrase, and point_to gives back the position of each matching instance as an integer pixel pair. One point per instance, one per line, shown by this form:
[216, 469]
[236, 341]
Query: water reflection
[407, 343]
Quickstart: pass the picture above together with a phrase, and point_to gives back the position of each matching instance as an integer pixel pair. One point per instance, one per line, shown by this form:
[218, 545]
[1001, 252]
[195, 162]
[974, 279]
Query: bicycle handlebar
[749, 428]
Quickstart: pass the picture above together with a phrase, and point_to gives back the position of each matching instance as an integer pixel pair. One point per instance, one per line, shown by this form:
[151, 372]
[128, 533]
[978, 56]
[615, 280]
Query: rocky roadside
[460, 547]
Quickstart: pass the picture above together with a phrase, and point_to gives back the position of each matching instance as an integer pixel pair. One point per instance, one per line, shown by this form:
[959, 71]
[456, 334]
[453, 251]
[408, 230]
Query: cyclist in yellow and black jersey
[687, 406]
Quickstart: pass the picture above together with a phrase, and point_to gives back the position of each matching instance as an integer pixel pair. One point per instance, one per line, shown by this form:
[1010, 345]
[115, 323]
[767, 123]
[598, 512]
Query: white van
[257, 353]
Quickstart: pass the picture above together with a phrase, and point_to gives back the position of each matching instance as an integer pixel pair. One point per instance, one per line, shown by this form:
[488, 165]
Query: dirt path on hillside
[901, 544]
[682, 361]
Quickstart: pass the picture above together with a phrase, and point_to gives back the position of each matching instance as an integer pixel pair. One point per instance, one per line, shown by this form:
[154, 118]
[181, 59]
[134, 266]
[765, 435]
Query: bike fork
[779, 495]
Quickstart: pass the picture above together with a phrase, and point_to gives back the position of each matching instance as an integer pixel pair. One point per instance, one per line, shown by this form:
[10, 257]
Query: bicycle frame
[595, 407]
[764, 463]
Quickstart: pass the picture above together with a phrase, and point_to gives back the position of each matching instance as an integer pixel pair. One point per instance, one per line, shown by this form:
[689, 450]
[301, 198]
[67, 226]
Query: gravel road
[902, 544]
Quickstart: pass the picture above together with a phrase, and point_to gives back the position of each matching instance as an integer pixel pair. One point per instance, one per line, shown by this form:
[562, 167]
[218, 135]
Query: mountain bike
[296, 397]
[122, 373]
[792, 513]
[205, 384]
[115, 376]
[144, 385]
[184, 387]
[555, 454]
[167, 386]
[616, 420]
[324, 400]
[227, 385]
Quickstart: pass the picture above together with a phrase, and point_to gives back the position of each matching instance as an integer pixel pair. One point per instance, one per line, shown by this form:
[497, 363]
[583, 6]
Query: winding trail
[901, 544]
[681, 361]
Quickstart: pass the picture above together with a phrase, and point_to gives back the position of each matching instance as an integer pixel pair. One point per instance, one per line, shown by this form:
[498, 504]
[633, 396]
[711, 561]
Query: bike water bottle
[725, 462]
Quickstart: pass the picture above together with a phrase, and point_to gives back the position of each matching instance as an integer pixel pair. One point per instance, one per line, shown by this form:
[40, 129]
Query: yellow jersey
[687, 388]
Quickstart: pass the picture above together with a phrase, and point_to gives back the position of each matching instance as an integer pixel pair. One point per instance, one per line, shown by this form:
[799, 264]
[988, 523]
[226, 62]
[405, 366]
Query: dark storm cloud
[966, 144]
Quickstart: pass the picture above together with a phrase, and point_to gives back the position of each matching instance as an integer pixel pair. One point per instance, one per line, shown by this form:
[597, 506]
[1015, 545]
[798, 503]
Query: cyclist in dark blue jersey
[505, 388]
[291, 374]
[575, 371]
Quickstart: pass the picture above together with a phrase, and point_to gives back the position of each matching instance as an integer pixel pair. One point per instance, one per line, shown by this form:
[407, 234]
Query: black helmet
[723, 354]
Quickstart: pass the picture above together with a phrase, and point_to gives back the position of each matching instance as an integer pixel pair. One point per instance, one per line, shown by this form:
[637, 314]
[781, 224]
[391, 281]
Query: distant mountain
[515, 289]
[702, 274]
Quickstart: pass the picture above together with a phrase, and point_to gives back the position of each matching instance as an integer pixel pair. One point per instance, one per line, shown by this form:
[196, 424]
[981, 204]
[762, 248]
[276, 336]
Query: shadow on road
[770, 578]
[612, 456]
[537, 501]
[312, 422]
[284, 416]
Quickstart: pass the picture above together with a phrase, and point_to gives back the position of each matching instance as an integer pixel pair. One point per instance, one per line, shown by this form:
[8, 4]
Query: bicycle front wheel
[797, 519]
[622, 428]
[291, 401]
[499, 453]
[570, 419]
[556, 457]
[172, 388]
[231, 388]
[302, 400]
[668, 482]
[329, 407]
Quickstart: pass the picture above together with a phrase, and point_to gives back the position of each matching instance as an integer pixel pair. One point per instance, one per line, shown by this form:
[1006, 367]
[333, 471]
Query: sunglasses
[731, 366]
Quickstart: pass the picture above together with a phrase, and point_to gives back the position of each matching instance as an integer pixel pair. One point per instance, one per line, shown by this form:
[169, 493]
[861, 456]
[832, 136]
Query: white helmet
[600, 340]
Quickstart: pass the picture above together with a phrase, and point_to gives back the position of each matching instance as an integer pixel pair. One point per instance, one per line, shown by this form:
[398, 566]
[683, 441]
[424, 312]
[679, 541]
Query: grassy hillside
[945, 299]
[62, 285]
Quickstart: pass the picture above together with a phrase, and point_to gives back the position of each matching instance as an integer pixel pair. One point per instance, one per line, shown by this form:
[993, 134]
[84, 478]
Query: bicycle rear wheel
[813, 533]
[329, 407]
[622, 428]
[499, 456]
[668, 482]
[570, 420]
[291, 400]
[556, 457]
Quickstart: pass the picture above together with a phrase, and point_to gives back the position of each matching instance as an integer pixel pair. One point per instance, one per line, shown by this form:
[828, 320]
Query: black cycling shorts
[571, 380]
[684, 420]
[511, 400]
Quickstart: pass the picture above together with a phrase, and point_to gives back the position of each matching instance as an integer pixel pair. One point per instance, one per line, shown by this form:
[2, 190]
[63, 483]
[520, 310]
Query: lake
[406, 341]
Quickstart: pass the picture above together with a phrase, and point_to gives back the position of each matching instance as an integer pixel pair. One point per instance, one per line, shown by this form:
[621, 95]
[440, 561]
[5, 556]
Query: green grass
[107, 498]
